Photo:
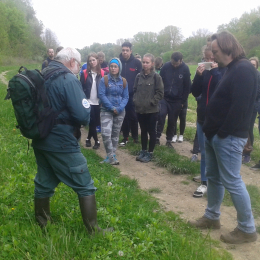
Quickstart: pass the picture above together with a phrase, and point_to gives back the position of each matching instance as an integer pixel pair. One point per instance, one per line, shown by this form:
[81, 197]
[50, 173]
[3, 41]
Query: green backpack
[33, 113]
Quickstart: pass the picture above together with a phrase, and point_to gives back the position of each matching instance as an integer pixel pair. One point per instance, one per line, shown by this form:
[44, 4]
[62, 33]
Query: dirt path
[176, 195]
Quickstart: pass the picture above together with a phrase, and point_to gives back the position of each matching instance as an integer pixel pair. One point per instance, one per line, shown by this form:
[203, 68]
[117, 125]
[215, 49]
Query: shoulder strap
[106, 80]
[124, 82]
[85, 72]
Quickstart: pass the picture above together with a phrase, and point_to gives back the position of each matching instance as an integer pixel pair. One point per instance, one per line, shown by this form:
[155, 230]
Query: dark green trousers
[69, 168]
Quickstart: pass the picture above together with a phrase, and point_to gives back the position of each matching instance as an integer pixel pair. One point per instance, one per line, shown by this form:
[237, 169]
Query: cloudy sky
[79, 23]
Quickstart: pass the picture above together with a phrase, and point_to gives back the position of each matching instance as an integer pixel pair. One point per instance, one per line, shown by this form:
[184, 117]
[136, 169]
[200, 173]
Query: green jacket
[148, 91]
[65, 94]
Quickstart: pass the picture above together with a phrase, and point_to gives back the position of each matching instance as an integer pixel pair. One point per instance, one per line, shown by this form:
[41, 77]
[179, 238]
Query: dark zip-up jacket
[148, 91]
[176, 82]
[205, 86]
[130, 69]
[231, 106]
[87, 85]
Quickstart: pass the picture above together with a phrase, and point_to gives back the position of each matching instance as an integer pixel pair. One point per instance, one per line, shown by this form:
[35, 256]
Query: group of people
[127, 92]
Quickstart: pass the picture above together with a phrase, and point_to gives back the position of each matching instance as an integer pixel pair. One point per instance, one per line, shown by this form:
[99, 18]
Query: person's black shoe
[124, 142]
[88, 143]
[136, 141]
[96, 145]
[256, 167]
[157, 142]
[169, 145]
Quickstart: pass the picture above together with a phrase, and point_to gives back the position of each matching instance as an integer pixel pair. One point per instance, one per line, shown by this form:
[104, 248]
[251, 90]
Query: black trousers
[172, 109]
[182, 117]
[94, 122]
[130, 122]
[148, 126]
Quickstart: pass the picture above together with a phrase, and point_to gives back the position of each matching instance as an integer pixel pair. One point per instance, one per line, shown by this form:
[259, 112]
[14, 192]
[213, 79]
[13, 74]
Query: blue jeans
[223, 163]
[201, 139]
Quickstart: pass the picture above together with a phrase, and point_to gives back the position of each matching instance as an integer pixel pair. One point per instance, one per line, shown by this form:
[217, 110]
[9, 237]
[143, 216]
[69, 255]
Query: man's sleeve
[243, 93]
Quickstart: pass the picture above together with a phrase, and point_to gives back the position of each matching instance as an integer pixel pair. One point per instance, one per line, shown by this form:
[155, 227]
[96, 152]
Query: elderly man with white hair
[58, 156]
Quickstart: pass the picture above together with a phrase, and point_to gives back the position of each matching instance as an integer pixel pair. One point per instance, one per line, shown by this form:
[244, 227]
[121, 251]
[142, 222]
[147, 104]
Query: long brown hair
[94, 55]
[228, 44]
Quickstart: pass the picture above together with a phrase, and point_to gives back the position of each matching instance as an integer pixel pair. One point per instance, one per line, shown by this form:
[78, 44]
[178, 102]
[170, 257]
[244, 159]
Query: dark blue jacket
[46, 63]
[130, 69]
[176, 82]
[205, 86]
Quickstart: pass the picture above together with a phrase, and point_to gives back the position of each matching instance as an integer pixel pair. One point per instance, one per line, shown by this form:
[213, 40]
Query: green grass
[142, 229]
[154, 190]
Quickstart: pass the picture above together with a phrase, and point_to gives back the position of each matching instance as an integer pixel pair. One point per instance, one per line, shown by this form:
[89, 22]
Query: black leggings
[148, 124]
[94, 122]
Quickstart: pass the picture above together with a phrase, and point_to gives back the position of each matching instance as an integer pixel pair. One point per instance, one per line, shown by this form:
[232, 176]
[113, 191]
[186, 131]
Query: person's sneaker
[141, 155]
[197, 179]
[106, 160]
[180, 139]
[169, 145]
[246, 159]
[96, 145]
[255, 167]
[174, 139]
[113, 160]
[202, 189]
[157, 142]
[238, 237]
[147, 158]
[205, 223]
[123, 142]
[194, 158]
[88, 143]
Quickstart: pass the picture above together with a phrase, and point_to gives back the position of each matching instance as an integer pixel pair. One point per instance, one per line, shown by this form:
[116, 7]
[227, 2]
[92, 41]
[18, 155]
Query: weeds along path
[176, 194]
[2, 78]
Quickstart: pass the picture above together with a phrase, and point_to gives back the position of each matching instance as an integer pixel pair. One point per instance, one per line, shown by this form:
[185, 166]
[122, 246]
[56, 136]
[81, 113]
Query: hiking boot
[88, 143]
[147, 158]
[97, 145]
[141, 155]
[174, 139]
[123, 142]
[197, 179]
[194, 158]
[202, 189]
[169, 145]
[204, 223]
[255, 167]
[106, 160]
[180, 139]
[157, 142]
[238, 237]
[113, 160]
[246, 159]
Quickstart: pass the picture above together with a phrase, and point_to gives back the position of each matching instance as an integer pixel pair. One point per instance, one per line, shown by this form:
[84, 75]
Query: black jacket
[148, 91]
[87, 85]
[231, 106]
[176, 82]
[46, 63]
[130, 69]
[205, 86]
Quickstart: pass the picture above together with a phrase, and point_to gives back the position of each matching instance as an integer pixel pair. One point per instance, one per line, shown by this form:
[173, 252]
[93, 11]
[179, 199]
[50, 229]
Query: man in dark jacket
[176, 79]
[58, 156]
[226, 127]
[50, 57]
[130, 68]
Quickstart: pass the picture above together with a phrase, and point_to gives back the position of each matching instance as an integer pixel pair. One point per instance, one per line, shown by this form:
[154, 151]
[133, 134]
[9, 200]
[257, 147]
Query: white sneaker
[202, 189]
[180, 140]
[174, 139]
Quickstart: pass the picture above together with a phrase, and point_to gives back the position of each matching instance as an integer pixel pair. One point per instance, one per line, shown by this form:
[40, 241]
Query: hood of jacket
[120, 66]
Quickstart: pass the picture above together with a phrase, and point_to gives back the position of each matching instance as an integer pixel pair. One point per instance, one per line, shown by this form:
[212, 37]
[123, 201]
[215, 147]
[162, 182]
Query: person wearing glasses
[90, 79]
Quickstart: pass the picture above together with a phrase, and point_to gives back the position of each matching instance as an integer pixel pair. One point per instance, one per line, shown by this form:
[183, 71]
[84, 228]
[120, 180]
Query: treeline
[21, 33]
[246, 29]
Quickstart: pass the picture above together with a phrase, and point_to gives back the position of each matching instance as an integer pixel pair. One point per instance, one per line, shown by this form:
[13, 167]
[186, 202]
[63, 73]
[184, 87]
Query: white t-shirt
[93, 100]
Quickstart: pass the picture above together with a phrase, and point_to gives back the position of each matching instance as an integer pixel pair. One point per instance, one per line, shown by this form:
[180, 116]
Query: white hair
[67, 54]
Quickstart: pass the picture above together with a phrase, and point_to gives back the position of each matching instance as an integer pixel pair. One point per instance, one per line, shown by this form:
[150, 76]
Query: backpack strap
[106, 80]
[124, 82]
[85, 72]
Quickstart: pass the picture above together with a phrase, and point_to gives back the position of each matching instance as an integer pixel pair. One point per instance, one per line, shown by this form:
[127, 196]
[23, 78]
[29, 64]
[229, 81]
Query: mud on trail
[176, 194]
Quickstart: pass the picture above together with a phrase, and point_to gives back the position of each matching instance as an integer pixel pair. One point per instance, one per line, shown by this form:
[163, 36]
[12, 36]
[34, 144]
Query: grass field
[142, 229]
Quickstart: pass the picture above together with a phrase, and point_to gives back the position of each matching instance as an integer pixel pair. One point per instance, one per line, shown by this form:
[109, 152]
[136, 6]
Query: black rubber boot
[89, 215]
[42, 211]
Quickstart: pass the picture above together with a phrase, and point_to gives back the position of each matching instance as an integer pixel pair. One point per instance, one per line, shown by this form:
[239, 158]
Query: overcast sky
[79, 23]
